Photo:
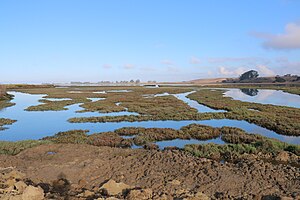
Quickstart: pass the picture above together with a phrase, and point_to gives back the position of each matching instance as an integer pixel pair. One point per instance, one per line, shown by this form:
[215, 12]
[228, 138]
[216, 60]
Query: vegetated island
[5, 102]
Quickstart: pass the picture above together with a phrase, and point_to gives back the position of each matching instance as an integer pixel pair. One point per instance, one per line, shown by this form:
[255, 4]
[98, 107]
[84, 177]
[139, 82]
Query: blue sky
[94, 40]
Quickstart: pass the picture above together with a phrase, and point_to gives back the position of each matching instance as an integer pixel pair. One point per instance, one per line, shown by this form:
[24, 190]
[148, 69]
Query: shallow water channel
[38, 124]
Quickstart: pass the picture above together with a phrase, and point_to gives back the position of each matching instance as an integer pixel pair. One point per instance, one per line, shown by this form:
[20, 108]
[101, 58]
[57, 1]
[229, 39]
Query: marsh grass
[13, 148]
[54, 105]
[227, 151]
[281, 119]
[4, 121]
[73, 137]
[81, 137]
[238, 141]
[110, 139]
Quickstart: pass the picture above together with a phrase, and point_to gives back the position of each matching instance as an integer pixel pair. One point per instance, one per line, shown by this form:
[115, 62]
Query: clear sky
[163, 40]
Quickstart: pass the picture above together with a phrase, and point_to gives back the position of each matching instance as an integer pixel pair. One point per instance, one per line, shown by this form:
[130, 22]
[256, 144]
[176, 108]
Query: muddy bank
[168, 174]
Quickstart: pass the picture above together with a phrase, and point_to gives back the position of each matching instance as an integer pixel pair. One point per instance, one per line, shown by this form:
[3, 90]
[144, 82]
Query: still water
[274, 97]
[38, 124]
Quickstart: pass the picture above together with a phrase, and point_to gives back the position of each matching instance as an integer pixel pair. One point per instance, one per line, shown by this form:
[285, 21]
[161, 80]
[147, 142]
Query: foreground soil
[168, 174]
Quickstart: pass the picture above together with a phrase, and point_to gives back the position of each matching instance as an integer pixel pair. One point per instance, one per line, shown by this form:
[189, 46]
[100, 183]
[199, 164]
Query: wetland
[227, 126]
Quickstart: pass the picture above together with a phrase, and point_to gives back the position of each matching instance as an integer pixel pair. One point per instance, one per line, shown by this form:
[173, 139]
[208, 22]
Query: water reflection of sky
[194, 104]
[38, 124]
[181, 143]
[275, 97]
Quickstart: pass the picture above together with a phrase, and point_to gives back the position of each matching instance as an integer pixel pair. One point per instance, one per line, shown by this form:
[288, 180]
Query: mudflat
[168, 174]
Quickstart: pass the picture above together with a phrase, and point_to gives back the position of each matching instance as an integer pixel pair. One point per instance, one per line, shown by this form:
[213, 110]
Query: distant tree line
[137, 81]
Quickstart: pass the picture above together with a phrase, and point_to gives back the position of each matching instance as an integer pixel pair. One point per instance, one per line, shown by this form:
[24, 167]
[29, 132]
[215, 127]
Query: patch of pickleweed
[13, 148]
[73, 137]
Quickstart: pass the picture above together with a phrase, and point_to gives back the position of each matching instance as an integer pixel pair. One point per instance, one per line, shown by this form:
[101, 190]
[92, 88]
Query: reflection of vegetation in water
[250, 91]
[290, 88]
[4, 103]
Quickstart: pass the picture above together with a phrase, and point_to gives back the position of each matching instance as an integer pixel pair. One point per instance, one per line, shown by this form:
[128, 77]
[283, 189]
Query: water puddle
[100, 92]
[96, 99]
[119, 91]
[180, 143]
[51, 153]
[57, 99]
[128, 136]
[74, 92]
[151, 86]
[252, 109]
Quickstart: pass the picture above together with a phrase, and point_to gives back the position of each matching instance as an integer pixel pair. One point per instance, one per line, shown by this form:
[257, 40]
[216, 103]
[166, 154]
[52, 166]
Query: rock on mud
[113, 188]
[33, 193]
[139, 194]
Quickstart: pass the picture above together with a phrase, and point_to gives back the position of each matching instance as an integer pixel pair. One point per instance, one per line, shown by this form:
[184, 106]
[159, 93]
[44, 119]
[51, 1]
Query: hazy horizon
[75, 40]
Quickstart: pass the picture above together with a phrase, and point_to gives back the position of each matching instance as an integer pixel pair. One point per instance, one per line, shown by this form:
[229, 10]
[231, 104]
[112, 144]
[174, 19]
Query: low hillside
[206, 81]
[252, 76]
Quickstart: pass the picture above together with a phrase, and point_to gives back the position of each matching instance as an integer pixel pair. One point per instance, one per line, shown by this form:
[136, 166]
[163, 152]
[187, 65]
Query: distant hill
[206, 81]
[252, 76]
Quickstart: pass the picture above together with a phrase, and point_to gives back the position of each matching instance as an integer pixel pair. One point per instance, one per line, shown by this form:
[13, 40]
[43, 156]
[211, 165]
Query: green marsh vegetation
[13, 148]
[239, 143]
[148, 135]
[4, 121]
[81, 137]
[47, 105]
[281, 119]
